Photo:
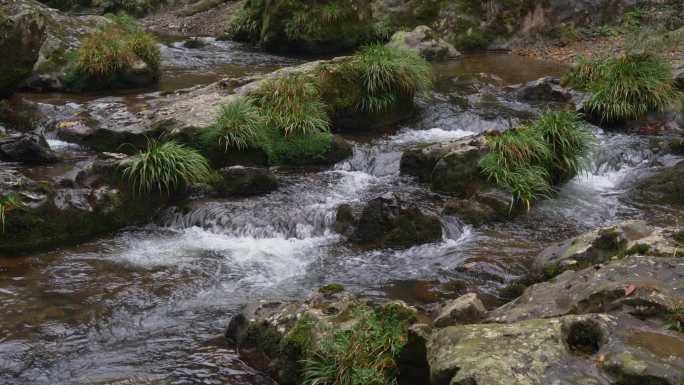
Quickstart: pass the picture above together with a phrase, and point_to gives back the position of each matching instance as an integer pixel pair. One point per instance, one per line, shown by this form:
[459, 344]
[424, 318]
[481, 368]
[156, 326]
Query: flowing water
[148, 304]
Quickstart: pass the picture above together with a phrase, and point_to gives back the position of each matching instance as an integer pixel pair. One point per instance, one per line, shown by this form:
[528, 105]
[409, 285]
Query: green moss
[638, 249]
[679, 236]
[29, 229]
[331, 288]
[296, 25]
[264, 337]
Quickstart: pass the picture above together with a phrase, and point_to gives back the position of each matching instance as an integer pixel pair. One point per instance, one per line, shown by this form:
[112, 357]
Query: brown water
[149, 304]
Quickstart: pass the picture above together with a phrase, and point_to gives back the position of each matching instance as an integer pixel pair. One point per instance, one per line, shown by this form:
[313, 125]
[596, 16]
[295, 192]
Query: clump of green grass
[531, 159]
[165, 167]
[294, 105]
[8, 203]
[365, 354]
[239, 126]
[632, 86]
[107, 54]
[385, 75]
[244, 25]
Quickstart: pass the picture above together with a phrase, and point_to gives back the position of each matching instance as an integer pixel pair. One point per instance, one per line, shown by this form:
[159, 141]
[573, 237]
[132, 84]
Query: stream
[148, 304]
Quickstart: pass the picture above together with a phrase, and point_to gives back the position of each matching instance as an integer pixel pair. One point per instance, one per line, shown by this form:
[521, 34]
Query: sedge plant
[8, 203]
[165, 167]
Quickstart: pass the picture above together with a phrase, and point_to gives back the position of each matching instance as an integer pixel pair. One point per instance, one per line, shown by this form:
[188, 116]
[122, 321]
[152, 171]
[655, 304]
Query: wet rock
[388, 221]
[107, 124]
[21, 36]
[57, 34]
[27, 148]
[278, 335]
[484, 207]
[246, 181]
[645, 286]
[81, 203]
[451, 167]
[575, 349]
[345, 220]
[665, 187]
[424, 41]
[546, 89]
[413, 357]
[466, 309]
[194, 43]
[494, 354]
[602, 245]
[678, 74]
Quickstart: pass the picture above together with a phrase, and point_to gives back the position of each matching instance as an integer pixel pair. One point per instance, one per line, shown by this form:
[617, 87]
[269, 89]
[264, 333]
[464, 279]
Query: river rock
[451, 167]
[424, 41]
[27, 148]
[389, 221]
[246, 181]
[546, 89]
[484, 207]
[665, 187]
[58, 34]
[597, 349]
[466, 309]
[602, 245]
[76, 205]
[21, 37]
[644, 286]
[276, 336]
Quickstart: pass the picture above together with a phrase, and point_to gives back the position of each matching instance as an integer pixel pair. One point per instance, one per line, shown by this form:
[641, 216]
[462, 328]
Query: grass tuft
[8, 203]
[108, 53]
[294, 105]
[239, 126]
[385, 75]
[531, 159]
[365, 354]
[165, 167]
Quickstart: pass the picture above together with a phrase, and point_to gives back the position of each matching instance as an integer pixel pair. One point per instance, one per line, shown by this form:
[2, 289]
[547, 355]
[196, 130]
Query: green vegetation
[630, 87]
[531, 159]
[632, 84]
[364, 354]
[8, 203]
[164, 167]
[331, 288]
[606, 31]
[674, 319]
[376, 80]
[105, 58]
[386, 75]
[293, 105]
[239, 126]
[298, 25]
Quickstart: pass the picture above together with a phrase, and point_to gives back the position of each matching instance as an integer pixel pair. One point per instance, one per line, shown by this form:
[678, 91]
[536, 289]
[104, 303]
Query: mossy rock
[299, 26]
[22, 36]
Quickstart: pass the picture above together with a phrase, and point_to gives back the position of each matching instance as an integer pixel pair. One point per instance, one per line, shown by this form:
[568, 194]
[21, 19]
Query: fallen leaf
[629, 289]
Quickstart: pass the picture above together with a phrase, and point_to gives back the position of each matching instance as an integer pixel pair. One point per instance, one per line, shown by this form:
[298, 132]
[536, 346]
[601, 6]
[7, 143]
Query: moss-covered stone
[295, 25]
[21, 37]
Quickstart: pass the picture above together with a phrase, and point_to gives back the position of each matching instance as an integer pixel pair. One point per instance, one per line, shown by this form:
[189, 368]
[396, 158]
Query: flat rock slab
[639, 285]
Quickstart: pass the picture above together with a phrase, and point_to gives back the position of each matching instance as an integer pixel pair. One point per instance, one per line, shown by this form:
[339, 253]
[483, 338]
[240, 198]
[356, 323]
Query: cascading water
[148, 305]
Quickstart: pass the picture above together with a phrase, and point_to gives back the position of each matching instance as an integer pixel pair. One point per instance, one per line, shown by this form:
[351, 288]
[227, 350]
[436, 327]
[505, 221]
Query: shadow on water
[148, 304]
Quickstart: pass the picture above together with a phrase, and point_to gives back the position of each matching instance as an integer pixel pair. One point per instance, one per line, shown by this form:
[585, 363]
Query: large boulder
[603, 245]
[51, 35]
[665, 187]
[389, 221]
[644, 286]
[424, 41]
[84, 202]
[21, 37]
[592, 349]
[277, 336]
[451, 167]
[546, 89]
[27, 148]
[286, 25]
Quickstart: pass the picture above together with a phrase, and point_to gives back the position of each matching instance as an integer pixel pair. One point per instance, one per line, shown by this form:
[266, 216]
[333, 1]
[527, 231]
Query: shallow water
[148, 304]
